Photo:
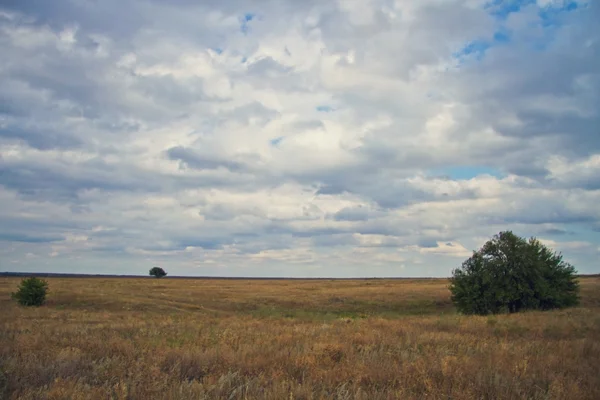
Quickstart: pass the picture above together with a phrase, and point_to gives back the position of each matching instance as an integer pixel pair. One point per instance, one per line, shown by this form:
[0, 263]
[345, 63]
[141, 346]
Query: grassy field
[102, 338]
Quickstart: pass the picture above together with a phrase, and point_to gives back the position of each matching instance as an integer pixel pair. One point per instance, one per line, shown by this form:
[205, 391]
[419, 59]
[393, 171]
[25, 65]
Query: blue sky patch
[476, 49]
[275, 142]
[501, 9]
[551, 16]
[324, 109]
[244, 23]
[501, 36]
[466, 172]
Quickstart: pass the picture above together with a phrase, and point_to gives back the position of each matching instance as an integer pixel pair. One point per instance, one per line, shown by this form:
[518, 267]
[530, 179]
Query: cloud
[295, 138]
[28, 239]
[451, 249]
[359, 213]
[554, 231]
[191, 159]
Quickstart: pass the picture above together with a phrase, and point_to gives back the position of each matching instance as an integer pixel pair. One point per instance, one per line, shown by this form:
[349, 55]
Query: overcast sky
[295, 138]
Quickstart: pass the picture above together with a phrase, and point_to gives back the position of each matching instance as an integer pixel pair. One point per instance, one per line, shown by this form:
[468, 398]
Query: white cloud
[324, 140]
[452, 249]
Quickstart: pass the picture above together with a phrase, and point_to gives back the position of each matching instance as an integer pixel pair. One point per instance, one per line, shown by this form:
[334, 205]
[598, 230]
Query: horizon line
[83, 275]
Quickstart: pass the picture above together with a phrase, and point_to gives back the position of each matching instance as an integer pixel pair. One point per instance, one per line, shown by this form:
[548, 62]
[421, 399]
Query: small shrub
[32, 292]
[157, 272]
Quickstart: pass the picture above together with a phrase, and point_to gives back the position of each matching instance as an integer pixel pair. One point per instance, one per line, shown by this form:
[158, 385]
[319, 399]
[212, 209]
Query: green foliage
[32, 292]
[157, 272]
[512, 274]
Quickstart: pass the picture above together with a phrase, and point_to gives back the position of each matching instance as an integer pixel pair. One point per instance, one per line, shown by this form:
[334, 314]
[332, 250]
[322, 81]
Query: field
[109, 338]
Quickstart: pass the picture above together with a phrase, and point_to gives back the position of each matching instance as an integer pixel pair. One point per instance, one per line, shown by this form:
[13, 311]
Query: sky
[363, 138]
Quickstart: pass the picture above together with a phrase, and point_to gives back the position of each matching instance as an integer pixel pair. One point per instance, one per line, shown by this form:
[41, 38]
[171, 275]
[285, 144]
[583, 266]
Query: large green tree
[511, 274]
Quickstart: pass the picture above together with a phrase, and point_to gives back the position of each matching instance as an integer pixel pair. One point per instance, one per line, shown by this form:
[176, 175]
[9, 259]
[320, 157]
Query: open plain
[110, 338]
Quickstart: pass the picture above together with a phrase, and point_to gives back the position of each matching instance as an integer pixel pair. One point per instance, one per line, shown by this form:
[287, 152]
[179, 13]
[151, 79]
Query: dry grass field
[107, 338]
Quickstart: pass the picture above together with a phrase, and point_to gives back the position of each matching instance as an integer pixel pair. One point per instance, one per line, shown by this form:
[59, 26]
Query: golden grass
[246, 339]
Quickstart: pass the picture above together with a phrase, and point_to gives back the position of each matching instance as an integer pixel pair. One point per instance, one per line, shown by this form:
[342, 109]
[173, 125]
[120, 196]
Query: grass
[234, 339]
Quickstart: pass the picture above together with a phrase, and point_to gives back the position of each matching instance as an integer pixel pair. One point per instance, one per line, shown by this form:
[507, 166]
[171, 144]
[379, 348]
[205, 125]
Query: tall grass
[233, 339]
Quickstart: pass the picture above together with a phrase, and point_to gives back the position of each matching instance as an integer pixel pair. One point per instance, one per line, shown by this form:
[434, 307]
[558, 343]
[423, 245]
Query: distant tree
[157, 272]
[32, 292]
[512, 274]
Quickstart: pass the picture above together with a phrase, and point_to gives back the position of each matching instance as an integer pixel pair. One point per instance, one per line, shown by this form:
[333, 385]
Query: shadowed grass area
[103, 338]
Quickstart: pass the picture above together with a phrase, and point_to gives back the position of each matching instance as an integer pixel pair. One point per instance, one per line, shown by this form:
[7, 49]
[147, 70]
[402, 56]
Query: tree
[32, 292]
[157, 272]
[512, 274]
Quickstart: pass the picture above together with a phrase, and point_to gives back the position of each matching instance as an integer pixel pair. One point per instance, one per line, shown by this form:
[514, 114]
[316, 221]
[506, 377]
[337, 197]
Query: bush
[157, 272]
[32, 292]
[511, 274]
